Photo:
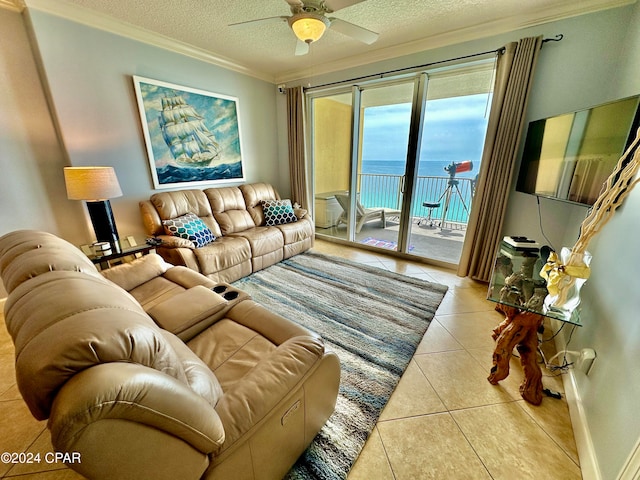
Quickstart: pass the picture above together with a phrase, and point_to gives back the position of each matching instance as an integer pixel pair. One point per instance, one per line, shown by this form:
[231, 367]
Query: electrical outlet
[585, 360]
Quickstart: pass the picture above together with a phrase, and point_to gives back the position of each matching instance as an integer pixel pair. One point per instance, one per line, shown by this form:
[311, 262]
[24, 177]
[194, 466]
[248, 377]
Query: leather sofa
[235, 216]
[145, 372]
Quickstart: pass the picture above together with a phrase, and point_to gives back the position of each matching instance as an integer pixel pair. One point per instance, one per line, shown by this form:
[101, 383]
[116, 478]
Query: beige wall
[82, 110]
[332, 145]
[32, 192]
[88, 73]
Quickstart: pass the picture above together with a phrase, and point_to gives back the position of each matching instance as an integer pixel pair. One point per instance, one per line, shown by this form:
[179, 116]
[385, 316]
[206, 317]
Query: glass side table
[519, 292]
[122, 249]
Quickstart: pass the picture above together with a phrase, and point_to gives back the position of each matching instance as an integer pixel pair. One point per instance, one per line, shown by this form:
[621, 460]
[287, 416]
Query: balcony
[437, 239]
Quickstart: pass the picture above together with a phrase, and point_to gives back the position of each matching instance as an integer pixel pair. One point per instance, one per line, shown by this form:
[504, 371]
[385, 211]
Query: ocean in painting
[171, 174]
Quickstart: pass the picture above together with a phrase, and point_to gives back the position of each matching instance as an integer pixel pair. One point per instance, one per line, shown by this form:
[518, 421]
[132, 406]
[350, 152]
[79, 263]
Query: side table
[118, 252]
[519, 292]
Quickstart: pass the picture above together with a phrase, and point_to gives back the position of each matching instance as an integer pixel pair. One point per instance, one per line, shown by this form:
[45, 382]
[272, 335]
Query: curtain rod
[557, 38]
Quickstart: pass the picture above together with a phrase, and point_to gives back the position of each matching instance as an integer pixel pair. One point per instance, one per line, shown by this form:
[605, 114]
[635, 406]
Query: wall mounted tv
[570, 156]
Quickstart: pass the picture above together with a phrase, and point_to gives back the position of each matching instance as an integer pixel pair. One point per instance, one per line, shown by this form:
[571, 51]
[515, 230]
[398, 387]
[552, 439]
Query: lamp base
[103, 222]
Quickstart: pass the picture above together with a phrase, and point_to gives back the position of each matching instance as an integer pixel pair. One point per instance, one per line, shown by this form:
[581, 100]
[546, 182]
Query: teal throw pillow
[278, 212]
[189, 226]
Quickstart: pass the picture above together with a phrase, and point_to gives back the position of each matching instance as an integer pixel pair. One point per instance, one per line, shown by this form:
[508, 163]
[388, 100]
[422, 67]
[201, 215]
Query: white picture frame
[192, 136]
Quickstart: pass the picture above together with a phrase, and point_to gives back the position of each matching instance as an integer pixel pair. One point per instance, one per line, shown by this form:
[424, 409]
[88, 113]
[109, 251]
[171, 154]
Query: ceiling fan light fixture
[308, 27]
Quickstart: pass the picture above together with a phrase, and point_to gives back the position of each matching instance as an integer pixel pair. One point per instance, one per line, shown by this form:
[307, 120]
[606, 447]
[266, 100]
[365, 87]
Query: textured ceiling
[267, 50]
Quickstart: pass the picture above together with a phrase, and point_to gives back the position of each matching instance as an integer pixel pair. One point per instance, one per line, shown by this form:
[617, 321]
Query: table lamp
[96, 185]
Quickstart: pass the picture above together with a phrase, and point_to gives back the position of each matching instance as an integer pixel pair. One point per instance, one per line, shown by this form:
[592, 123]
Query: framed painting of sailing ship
[192, 136]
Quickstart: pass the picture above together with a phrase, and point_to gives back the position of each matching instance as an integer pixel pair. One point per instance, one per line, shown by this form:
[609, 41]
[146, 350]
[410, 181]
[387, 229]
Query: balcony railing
[382, 190]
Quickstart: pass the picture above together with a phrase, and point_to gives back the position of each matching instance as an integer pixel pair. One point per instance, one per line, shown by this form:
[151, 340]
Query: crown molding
[103, 22]
[94, 19]
[475, 32]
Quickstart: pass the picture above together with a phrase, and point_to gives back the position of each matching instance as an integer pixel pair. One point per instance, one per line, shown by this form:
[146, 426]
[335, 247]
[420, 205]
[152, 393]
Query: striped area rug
[372, 318]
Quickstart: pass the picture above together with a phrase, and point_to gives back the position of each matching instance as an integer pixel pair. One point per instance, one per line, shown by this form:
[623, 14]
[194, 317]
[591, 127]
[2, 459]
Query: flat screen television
[570, 156]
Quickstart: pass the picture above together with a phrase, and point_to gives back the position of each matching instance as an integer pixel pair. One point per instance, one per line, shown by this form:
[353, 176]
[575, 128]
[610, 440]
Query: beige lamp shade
[308, 27]
[91, 183]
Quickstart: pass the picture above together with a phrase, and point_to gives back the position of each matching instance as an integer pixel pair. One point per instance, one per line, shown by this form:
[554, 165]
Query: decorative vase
[565, 277]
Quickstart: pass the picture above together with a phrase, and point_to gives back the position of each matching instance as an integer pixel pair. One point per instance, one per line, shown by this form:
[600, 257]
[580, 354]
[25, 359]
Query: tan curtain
[297, 157]
[514, 72]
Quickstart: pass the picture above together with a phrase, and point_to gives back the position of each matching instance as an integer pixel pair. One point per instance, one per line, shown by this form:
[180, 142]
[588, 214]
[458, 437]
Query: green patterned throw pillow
[189, 226]
[278, 212]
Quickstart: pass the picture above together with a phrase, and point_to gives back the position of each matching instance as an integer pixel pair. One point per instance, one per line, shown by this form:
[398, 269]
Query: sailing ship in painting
[188, 138]
[192, 136]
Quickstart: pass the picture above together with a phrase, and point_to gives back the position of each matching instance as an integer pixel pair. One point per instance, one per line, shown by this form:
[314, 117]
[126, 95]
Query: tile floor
[444, 421]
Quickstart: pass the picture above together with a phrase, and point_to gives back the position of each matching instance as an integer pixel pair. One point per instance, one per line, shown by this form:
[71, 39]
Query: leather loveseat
[244, 242]
[145, 372]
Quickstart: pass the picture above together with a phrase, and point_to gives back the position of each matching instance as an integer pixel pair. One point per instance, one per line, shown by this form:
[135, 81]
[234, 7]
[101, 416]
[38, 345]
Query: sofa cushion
[189, 226]
[263, 240]
[296, 232]
[264, 386]
[278, 212]
[254, 194]
[224, 253]
[230, 350]
[199, 376]
[229, 209]
[180, 202]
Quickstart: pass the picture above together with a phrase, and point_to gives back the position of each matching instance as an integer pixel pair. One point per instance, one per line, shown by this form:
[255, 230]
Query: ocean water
[431, 168]
[427, 190]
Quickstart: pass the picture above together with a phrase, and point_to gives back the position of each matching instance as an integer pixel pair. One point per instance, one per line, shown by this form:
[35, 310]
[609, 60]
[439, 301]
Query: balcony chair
[363, 215]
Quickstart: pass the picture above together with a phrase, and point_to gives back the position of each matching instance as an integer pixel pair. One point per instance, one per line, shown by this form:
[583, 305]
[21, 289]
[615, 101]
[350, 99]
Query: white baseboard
[584, 444]
[631, 469]
[581, 433]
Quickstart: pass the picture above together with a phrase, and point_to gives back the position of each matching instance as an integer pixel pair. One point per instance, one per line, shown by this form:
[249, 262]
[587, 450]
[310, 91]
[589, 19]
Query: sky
[454, 130]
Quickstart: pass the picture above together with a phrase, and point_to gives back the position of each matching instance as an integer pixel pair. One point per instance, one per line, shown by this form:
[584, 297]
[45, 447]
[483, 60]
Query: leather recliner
[144, 372]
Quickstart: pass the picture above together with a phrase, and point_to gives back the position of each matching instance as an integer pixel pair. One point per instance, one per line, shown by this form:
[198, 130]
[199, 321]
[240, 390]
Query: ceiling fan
[309, 21]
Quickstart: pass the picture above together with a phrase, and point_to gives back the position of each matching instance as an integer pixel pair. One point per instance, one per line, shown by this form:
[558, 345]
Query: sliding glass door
[395, 161]
[331, 144]
[454, 125]
[385, 125]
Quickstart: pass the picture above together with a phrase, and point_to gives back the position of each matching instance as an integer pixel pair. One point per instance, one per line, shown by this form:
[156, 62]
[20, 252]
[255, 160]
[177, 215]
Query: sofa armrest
[133, 393]
[132, 274]
[150, 218]
[188, 278]
[270, 325]
[187, 313]
[169, 241]
[248, 403]
[300, 213]
[175, 254]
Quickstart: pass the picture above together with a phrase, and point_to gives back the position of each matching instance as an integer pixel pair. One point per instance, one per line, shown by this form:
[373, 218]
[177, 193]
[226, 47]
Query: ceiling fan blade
[335, 5]
[302, 48]
[295, 3]
[259, 21]
[353, 31]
